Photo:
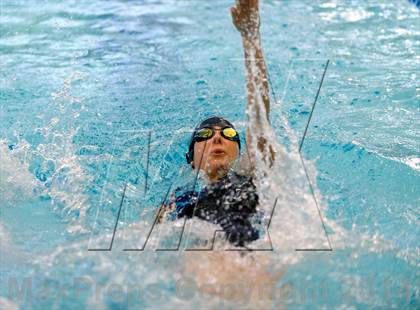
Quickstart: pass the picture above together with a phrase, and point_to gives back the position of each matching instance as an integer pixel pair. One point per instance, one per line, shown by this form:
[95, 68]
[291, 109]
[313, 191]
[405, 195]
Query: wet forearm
[256, 79]
[258, 108]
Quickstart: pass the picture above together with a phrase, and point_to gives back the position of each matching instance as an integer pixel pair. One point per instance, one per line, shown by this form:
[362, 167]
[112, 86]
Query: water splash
[17, 184]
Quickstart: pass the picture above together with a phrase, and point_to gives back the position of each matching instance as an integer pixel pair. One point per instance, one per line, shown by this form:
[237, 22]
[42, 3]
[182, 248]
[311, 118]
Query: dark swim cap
[208, 122]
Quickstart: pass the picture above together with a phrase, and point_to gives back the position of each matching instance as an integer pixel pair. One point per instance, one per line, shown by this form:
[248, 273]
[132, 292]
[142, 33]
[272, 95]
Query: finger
[252, 4]
[238, 4]
[247, 4]
[235, 16]
[244, 4]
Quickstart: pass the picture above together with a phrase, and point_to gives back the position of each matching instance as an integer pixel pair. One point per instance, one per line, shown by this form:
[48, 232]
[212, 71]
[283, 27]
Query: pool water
[99, 98]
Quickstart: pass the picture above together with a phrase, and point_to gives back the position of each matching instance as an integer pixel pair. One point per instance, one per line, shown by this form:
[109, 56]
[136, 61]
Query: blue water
[84, 83]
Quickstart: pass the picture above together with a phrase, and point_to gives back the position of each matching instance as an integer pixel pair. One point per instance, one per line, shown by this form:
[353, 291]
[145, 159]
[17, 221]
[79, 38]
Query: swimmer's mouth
[218, 152]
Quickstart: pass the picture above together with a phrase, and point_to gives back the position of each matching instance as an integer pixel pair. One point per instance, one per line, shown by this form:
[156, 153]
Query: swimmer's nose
[217, 137]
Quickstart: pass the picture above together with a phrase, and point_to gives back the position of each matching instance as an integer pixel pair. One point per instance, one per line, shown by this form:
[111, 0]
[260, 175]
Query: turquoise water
[83, 83]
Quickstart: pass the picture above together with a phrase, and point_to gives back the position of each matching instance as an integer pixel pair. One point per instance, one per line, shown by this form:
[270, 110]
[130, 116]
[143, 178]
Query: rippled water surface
[85, 84]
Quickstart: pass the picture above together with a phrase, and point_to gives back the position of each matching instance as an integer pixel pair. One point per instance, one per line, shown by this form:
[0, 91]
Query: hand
[246, 17]
[163, 210]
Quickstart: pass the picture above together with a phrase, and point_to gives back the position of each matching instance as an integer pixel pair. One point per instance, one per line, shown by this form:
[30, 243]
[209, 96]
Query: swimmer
[230, 198]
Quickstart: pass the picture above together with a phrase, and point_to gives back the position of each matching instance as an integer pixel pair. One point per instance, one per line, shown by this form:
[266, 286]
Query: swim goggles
[208, 132]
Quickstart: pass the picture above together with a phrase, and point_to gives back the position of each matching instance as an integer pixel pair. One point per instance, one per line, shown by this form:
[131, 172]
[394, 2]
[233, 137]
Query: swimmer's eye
[204, 133]
[229, 132]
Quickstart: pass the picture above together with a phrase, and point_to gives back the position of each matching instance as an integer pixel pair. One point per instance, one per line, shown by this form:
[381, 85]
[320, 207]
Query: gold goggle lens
[229, 132]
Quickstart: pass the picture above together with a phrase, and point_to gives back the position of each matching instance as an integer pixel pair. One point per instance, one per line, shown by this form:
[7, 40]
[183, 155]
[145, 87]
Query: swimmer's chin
[217, 170]
[221, 164]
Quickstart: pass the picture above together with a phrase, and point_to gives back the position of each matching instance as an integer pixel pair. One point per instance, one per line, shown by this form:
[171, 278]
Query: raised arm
[246, 18]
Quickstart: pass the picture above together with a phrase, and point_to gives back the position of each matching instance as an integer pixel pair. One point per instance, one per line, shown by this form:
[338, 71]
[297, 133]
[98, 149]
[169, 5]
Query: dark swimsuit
[230, 202]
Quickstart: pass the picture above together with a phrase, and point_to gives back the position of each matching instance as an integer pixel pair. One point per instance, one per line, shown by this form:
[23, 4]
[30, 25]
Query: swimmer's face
[216, 155]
